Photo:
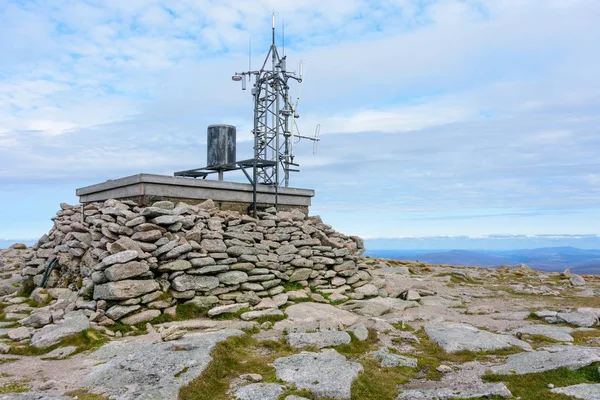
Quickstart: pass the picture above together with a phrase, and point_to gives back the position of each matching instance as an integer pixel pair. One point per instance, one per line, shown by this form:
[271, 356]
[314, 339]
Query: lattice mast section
[273, 116]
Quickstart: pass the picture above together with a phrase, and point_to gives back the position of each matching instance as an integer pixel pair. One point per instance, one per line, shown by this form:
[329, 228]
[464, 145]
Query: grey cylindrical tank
[220, 145]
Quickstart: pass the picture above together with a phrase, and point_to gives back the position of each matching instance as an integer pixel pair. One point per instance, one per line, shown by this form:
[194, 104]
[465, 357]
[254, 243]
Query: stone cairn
[131, 263]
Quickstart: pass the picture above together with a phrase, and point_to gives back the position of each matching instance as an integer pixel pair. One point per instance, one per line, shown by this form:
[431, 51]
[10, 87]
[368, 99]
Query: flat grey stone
[123, 290]
[318, 339]
[305, 312]
[484, 390]
[584, 319]
[177, 265]
[327, 374]
[377, 306]
[18, 334]
[586, 391]
[73, 322]
[31, 396]
[393, 360]
[230, 308]
[360, 331]
[233, 277]
[142, 370]
[259, 391]
[560, 333]
[121, 257]
[119, 272]
[60, 353]
[292, 397]
[572, 357]
[117, 312]
[200, 283]
[250, 315]
[144, 316]
[453, 337]
[577, 280]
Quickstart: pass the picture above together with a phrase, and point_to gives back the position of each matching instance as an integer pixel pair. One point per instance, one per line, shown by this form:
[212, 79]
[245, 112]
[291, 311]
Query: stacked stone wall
[131, 263]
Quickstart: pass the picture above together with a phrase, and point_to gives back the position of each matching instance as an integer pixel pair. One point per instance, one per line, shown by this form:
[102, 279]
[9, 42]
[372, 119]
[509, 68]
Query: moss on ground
[235, 356]
[430, 356]
[535, 386]
[14, 387]
[183, 312]
[84, 341]
[82, 394]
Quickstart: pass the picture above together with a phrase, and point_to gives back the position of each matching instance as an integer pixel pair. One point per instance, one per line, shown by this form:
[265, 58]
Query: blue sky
[449, 117]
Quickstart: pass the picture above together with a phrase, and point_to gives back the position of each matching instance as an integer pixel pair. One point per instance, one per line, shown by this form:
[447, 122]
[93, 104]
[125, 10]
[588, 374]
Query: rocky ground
[442, 332]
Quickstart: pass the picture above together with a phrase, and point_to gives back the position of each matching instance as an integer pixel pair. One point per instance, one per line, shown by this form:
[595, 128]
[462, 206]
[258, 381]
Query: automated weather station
[275, 133]
[275, 129]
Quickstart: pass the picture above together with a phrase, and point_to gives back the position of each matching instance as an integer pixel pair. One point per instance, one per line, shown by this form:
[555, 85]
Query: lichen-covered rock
[199, 283]
[126, 289]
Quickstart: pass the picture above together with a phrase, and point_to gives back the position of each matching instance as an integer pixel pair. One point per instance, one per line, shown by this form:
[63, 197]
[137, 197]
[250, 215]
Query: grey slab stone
[584, 319]
[132, 269]
[31, 396]
[199, 283]
[230, 308]
[585, 391]
[233, 277]
[273, 312]
[72, 323]
[117, 312]
[60, 353]
[453, 337]
[126, 289]
[144, 316]
[378, 306]
[549, 358]
[121, 257]
[484, 390]
[560, 333]
[327, 374]
[318, 339]
[177, 265]
[388, 359]
[360, 331]
[142, 370]
[259, 391]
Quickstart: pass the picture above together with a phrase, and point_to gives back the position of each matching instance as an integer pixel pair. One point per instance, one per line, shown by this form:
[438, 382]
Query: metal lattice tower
[274, 116]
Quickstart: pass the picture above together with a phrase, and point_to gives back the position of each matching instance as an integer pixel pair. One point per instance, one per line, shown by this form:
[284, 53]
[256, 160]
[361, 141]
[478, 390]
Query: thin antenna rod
[249, 54]
[273, 39]
[283, 35]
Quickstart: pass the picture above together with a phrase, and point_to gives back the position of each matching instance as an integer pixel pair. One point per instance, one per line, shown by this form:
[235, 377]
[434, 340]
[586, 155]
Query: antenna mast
[273, 140]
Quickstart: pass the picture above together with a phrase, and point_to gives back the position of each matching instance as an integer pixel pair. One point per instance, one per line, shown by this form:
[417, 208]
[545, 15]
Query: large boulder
[327, 374]
[73, 322]
[454, 337]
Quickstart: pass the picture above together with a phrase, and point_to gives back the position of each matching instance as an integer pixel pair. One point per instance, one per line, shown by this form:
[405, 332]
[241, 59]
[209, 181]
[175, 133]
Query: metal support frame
[273, 129]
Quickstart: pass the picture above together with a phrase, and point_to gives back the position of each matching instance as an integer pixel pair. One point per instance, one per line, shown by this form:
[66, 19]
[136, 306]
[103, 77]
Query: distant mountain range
[546, 259]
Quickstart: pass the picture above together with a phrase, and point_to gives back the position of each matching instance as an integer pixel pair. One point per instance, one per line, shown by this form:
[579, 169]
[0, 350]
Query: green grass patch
[271, 318]
[297, 392]
[84, 341]
[430, 355]
[183, 312]
[82, 394]
[403, 326]
[535, 386]
[235, 356]
[376, 382]
[583, 337]
[14, 387]
[27, 287]
[356, 348]
[233, 315]
[7, 360]
[119, 327]
[292, 286]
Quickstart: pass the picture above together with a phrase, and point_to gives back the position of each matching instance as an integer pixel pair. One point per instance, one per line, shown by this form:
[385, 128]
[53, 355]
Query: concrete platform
[148, 188]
